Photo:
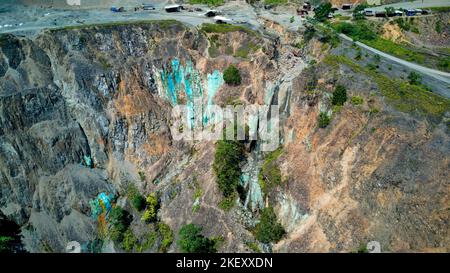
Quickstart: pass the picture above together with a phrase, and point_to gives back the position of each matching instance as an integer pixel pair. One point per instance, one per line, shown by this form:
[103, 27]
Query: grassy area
[275, 2]
[440, 9]
[270, 174]
[211, 3]
[402, 95]
[225, 28]
[367, 34]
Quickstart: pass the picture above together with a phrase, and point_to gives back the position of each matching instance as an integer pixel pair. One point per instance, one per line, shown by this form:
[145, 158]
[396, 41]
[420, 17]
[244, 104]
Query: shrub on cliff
[138, 202]
[151, 209]
[269, 230]
[226, 165]
[192, 241]
[232, 76]
[323, 120]
[120, 219]
[339, 95]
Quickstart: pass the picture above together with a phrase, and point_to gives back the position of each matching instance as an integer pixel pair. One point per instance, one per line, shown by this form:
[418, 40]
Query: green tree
[339, 95]
[192, 241]
[129, 241]
[414, 78]
[120, 220]
[152, 208]
[166, 236]
[269, 230]
[322, 12]
[232, 76]
[138, 202]
[358, 12]
[228, 155]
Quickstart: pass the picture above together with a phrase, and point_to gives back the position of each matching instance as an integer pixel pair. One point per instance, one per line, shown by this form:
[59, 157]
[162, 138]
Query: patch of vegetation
[358, 11]
[438, 27]
[5, 243]
[440, 9]
[244, 50]
[229, 154]
[120, 220]
[414, 78]
[148, 242]
[329, 37]
[292, 19]
[10, 238]
[358, 31]
[322, 12]
[309, 33]
[225, 28]
[356, 100]
[270, 174]
[444, 63]
[253, 246]
[192, 241]
[141, 175]
[166, 236]
[275, 2]
[138, 202]
[402, 95]
[339, 95]
[130, 242]
[269, 230]
[362, 249]
[152, 206]
[210, 3]
[323, 120]
[232, 76]
[227, 202]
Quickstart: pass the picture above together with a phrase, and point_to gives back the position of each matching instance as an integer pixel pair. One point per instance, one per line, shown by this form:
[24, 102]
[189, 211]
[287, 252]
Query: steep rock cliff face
[103, 94]
[87, 111]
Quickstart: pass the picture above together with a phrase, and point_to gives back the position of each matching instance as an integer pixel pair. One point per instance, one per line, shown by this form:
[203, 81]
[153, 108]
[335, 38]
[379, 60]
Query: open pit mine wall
[83, 111]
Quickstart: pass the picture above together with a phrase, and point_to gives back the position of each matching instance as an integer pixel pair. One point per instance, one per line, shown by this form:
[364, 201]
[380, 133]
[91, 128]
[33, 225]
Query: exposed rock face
[105, 93]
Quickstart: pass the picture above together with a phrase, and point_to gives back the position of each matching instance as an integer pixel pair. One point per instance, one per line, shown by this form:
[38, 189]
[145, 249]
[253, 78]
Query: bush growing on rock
[166, 236]
[228, 155]
[192, 241]
[120, 220]
[356, 100]
[339, 95]
[129, 241]
[323, 120]
[232, 76]
[151, 209]
[269, 230]
[138, 202]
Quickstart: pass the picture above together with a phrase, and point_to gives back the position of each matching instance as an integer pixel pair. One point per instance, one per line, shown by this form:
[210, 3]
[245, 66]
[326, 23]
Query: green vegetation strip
[211, 3]
[225, 28]
[402, 95]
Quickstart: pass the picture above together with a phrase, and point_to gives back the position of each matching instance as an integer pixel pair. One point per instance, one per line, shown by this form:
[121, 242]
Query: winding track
[436, 74]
